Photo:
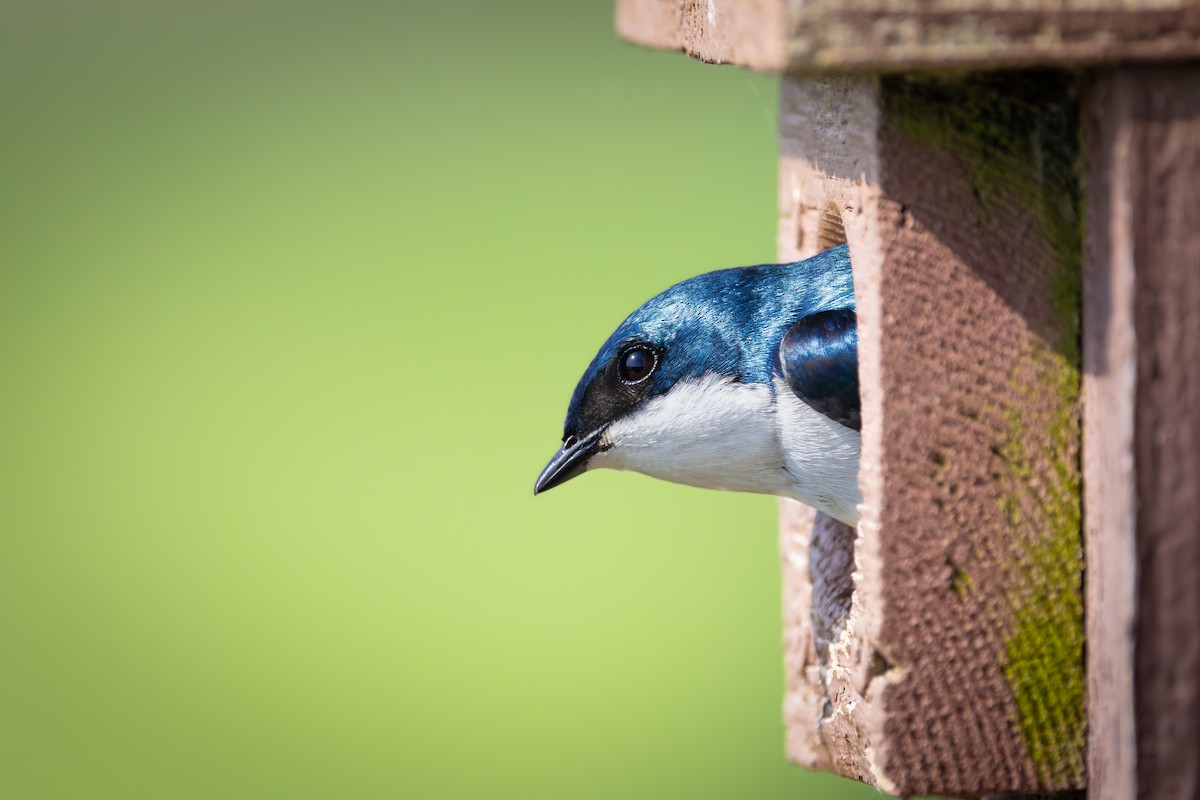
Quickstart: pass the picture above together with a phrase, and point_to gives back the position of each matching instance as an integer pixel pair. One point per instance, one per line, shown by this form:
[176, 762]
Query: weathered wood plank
[746, 32]
[804, 698]
[1166, 202]
[1110, 500]
[1155, 154]
[956, 664]
[828, 188]
[889, 35]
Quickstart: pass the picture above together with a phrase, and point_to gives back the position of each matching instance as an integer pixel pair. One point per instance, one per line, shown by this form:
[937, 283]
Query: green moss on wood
[960, 579]
[1017, 139]
[1044, 650]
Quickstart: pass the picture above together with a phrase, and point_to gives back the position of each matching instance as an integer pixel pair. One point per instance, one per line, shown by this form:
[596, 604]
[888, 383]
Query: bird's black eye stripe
[637, 363]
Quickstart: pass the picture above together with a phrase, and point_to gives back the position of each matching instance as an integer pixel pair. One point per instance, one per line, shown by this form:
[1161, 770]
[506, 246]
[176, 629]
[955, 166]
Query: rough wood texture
[805, 697]
[800, 35]
[1110, 502]
[956, 664]
[1147, 143]
[746, 32]
[1166, 199]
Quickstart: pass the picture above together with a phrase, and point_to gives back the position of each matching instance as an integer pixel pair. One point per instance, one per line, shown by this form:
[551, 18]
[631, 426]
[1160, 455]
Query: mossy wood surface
[952, 659]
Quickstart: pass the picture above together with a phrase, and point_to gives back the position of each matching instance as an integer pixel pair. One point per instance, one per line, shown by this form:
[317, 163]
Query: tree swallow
[742, 379]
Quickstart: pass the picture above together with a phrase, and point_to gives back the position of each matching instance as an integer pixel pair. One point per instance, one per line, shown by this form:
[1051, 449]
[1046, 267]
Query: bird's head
[678, 383]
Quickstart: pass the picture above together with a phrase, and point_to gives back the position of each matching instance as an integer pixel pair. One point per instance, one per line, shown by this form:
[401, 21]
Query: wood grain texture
[804, 697]
[1110, 500]
[1161, 113]
[956, 664]
[828, 190]
[745, 32]
[888, 35]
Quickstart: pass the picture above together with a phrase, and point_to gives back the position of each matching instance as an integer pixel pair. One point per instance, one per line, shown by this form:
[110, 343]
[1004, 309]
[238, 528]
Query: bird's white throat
[716, 433]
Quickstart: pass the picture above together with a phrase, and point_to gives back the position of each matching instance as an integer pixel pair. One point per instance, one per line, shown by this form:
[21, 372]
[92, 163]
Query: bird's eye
[637, 364]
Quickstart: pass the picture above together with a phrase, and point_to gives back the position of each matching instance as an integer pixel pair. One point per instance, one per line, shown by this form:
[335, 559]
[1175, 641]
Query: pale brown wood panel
[889, 35]
[955, 664]
[804, 698]
[1110, 502]
[746, 32]
[1142, 353]
[1162, 108]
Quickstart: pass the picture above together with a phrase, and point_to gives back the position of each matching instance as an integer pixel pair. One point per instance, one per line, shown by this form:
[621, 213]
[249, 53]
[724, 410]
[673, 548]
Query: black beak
[568, 462]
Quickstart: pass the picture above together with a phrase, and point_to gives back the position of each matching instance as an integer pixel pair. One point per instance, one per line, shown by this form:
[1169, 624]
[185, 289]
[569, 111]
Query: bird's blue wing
[819, 360]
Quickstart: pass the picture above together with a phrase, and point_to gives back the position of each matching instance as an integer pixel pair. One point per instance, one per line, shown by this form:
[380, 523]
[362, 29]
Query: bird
[742, 379]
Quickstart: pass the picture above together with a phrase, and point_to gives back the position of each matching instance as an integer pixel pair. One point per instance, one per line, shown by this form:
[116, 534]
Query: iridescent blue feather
[733, 321]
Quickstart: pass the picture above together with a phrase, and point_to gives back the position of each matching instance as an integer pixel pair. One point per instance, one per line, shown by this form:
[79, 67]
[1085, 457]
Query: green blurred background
[292, 299]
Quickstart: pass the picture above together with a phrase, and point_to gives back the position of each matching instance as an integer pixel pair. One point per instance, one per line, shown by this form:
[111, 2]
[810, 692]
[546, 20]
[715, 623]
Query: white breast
[716, 433]
[822, 457]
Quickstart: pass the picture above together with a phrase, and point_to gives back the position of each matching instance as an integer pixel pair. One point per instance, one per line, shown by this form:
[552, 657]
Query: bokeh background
[292, 299]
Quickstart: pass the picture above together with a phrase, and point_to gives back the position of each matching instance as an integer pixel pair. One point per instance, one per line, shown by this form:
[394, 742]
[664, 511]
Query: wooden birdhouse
[1019, 184]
